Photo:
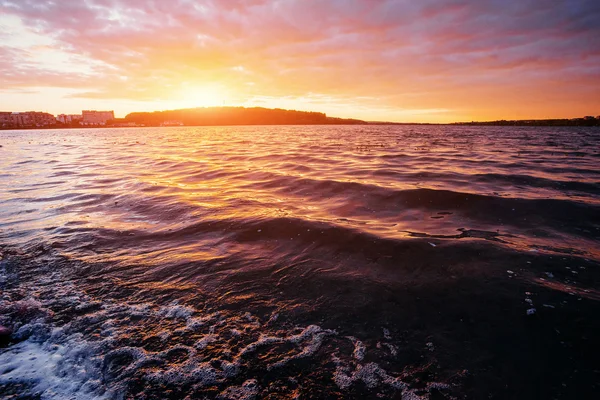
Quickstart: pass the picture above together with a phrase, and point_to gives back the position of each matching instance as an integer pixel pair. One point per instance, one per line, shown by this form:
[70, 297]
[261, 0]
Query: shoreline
[273, 125]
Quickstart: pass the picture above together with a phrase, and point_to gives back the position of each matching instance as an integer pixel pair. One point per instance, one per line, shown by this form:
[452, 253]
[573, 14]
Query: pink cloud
[379, 49]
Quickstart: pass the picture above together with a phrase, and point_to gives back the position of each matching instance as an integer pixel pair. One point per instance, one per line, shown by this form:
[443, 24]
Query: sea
[300, 262]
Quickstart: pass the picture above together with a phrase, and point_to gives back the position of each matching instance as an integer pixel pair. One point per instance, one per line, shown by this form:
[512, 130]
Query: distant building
[5, 119]
[69, 118]
[172, 123]
[28, 119]
[95, 118]
[124, 124]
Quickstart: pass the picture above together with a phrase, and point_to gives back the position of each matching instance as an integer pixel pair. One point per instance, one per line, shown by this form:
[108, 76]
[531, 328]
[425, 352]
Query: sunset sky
[399, 60]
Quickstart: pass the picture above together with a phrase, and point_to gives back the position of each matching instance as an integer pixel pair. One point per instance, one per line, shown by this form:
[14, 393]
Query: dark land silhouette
[266, 116]
[212, 116]
[236, 116]
[585, 121]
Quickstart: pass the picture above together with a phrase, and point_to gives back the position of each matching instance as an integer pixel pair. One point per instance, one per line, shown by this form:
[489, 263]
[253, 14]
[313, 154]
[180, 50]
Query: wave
[108, 347]
[256, 262]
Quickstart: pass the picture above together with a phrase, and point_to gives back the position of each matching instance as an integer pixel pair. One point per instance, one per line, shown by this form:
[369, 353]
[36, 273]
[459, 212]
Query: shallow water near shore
[408, 262]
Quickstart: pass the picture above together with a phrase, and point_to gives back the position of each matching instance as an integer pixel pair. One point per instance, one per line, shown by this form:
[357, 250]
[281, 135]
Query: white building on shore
[93, 117]
[69, 118]
[27, 119]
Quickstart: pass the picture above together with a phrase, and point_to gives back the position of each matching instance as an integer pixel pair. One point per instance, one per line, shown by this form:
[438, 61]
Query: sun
[199, 95]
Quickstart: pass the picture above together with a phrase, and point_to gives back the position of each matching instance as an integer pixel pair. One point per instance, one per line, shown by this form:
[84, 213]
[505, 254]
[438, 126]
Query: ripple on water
[242, 262]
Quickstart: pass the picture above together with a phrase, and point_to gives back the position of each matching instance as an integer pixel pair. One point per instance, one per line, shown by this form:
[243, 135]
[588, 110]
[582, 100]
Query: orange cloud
[395, 60]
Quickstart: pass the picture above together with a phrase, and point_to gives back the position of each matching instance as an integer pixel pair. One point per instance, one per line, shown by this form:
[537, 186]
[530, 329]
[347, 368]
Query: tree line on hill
[236, 116]
[585, 121]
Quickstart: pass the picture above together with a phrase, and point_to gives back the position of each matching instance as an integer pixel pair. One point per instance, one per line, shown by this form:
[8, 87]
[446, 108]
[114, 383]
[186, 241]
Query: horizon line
[390, 122]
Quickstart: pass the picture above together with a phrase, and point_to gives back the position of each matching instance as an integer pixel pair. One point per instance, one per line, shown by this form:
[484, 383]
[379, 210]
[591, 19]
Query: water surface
[300, 262]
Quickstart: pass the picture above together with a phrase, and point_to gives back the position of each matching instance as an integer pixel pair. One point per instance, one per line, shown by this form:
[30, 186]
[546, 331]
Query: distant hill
[236, 116]
[585, 121]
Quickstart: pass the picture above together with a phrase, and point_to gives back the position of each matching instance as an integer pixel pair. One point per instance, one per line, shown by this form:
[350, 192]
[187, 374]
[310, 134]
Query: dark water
[300, 262]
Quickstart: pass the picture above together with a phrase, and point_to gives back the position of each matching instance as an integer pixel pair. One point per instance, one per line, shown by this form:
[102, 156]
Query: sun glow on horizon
[197, 95]
[394, 61]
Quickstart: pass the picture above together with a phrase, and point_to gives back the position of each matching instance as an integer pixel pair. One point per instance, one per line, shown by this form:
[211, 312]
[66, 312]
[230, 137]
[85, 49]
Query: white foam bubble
[176, 311]
[373, 376]
[306, 333]
[55, 371]
[247, 391]
[359, 348]
[195, 324]
[263, 340]
[386, 334]
[205, 341]
[140, 310]
[38, 330]
[230, 369]
[309, 339]
[85, 357]
[393, 349]
[199, 374]
[310, 348]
